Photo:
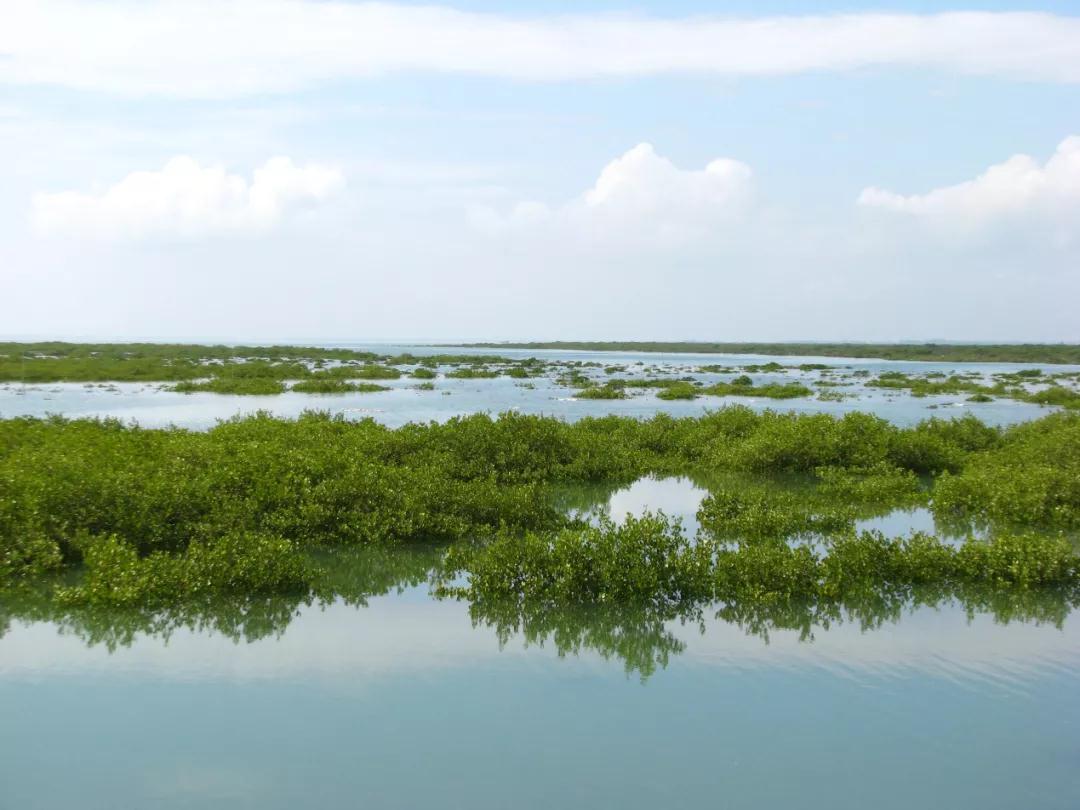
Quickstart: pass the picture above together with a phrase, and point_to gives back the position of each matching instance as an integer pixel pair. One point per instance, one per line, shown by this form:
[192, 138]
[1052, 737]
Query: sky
[343, 171]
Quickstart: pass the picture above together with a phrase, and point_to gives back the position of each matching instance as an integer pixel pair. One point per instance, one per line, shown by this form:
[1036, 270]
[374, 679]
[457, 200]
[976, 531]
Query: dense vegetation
[330, 385]
[145, 362]
[173, 362]
[148, 516]
[945, 352]
[650, 560]
[252, 386]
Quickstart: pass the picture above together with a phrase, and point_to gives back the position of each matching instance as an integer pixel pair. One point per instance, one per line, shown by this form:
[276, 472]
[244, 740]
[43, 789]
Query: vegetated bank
[158, 516]
[175, 362]
[273, 370]
[937, 352]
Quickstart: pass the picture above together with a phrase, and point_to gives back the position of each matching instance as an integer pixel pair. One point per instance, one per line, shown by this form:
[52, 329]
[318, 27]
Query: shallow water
[410, 702]
[151, 406]
[386, 697]
[680, 497]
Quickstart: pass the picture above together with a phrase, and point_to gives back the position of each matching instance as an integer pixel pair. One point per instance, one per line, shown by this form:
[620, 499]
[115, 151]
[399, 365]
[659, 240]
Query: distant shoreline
[1056, 353]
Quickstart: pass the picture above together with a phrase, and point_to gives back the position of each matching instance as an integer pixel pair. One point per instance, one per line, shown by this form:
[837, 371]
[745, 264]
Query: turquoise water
[386, 697]
[407, 703]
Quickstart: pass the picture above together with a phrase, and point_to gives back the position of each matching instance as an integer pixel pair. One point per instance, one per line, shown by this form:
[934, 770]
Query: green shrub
[1031, 478]
[756, 515]
[253, 386]
[336, 386]
[472, 374]
[248, 563]
[678, 390]
[645, 559]
[601, 392]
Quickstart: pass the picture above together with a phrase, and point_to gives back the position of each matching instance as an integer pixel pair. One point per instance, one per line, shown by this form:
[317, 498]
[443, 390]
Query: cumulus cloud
[228, 48]
[185, 199]
[1018, 192]
[640, 195]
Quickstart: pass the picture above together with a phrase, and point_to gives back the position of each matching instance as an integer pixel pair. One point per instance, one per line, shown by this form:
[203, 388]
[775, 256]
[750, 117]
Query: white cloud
[185, 199]
[640, 196]
[228, 48]
[1019, 192]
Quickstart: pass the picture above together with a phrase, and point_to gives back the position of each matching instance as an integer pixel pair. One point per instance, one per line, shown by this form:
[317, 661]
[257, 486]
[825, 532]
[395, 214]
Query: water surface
[151, 406]
[385, 697]
[411, 702]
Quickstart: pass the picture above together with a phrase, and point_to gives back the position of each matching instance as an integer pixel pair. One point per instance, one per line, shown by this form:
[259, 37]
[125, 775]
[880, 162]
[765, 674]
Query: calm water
[152, 407]
[411, 702]
[386, 697]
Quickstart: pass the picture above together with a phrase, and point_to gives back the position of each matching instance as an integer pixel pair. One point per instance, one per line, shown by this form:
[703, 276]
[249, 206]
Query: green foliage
[881, 483]
[254, 386]
[1032, 477]
[242, 562]
[258, 370]
[678, 390]
[367, 371]
[650, 561]
[320, 482]
[328, 385]
[601, 392]
[1055, 395]
[145, 362]
[422, 373]
[315, 481]
[25, 555]
[936, 352]
[739, 388]
[642, 560]
[757, 515]
[474, 373]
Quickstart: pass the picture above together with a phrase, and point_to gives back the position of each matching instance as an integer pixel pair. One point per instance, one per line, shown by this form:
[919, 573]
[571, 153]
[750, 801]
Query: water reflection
[152, 405]
[351, 577]
[681, 496]
[645, 639]
[380, 598]
[377, 613]
[678, 496]
[641, 638]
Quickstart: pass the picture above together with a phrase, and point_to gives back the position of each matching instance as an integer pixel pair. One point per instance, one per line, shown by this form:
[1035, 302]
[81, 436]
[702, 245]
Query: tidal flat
[196, 386]
[316, 592]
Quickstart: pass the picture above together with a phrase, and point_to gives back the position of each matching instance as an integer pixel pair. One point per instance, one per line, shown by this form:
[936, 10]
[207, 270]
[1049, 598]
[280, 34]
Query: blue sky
[539, 170]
